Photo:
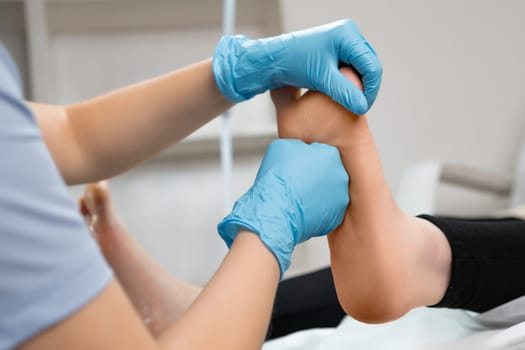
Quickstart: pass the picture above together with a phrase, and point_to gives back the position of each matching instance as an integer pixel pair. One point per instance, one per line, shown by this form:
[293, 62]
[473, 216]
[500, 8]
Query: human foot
[105, 226]
[158, 297]
[314, 117]
[384, 262]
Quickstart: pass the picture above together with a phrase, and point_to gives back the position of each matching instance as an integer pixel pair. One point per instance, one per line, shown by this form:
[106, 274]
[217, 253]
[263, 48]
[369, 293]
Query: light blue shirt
[49, 264]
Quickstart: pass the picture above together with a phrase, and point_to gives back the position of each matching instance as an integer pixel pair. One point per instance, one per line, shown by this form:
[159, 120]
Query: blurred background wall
[453, 90]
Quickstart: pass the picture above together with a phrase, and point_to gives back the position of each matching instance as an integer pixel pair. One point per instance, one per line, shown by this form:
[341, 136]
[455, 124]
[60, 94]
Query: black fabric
[488, 261]
[306, 301]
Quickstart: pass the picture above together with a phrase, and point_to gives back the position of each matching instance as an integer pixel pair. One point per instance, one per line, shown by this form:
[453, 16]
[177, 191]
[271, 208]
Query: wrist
[275, 234]
[272, 219]
[223, 63]
[252, 239]
[243, 68]
[356, 134]
[356, 144]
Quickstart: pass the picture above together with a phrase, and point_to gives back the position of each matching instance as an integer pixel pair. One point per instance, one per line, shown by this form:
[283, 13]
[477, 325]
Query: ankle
[356, 133]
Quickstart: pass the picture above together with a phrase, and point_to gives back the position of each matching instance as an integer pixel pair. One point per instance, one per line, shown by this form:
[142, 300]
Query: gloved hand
[306, 59]
[300, 191]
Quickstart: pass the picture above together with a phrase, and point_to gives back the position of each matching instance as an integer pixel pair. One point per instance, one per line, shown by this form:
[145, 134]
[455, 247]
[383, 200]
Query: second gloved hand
[306, 59]
[300, 191]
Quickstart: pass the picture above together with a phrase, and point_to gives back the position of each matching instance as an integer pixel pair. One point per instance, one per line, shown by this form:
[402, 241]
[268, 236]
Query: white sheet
[422, 328]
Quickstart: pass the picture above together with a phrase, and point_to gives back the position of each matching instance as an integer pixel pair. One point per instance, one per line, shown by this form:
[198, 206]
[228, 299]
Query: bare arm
[104, 136]
[236, 305]
[232, 312]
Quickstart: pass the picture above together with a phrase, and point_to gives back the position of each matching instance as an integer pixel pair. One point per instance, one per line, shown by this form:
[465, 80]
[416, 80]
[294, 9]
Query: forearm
[109, 134]
[233, 310]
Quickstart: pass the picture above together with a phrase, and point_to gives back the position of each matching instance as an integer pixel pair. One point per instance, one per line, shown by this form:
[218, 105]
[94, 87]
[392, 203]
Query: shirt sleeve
[49, 264]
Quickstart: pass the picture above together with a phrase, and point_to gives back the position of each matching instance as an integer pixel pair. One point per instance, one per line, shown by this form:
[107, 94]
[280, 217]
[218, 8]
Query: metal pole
[228, 25]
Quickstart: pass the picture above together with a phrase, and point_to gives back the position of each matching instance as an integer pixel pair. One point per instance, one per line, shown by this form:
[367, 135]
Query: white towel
[420, 329]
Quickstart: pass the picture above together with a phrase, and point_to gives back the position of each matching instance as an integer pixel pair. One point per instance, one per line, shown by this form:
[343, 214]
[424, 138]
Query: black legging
[488, 269]
[488, 261]
[306, 301]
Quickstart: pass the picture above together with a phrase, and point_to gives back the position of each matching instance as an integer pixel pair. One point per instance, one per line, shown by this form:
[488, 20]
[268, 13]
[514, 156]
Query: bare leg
[159, 297]
[384, 261]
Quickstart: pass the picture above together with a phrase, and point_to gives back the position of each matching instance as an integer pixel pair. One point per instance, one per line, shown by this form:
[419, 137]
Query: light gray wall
[12, 36]
[454, 79]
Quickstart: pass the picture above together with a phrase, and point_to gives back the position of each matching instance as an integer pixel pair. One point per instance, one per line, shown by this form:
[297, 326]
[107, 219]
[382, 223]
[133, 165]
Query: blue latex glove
[300, 191]
[307, 59]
